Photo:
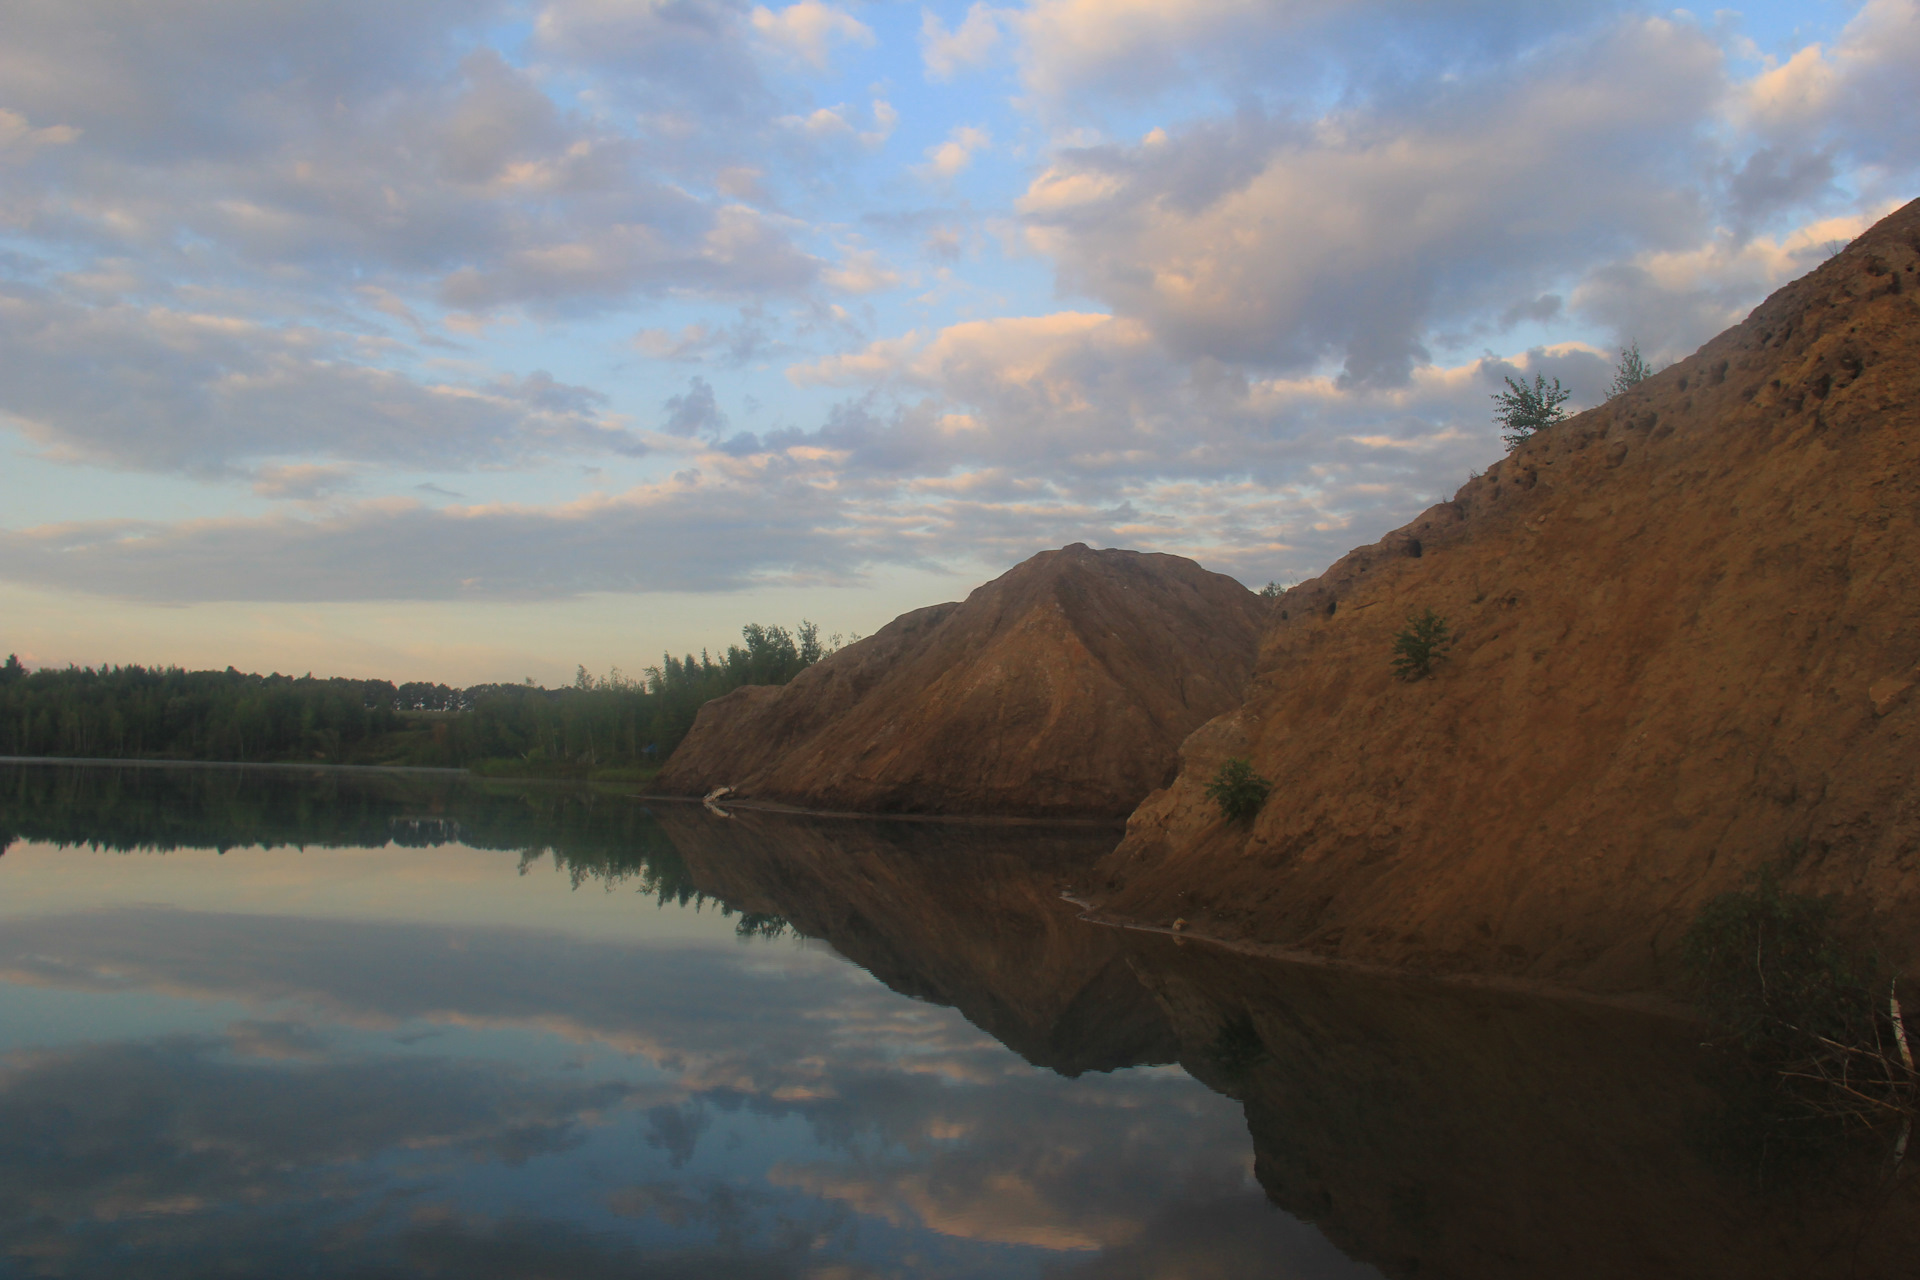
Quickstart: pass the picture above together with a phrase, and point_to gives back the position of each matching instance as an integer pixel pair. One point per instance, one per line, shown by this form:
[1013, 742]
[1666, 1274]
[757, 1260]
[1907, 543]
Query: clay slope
[1061, 689]
[1688, 625]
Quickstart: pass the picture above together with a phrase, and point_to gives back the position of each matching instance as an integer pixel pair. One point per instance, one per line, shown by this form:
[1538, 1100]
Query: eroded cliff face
[1688, 630]
[1061, 689]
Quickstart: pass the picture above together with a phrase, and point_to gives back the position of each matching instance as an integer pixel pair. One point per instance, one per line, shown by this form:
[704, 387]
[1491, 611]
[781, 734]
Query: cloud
[236, 233]
[943, 244]
[1072, 51]
[191, 1128]
[829, 123]
[1855, 97]
[948, 52]
[19, 140]
[155, 388]
[725, 535]
[861, 271]
[385, 146]
[847, 1095]
[1010, 435]
[949, 159]
[155, 83]
[885, 121]
[695, 412]
[737, 251]
[1672, 301]
[1283, 245]
[747, 339]
[988, 438]
[1070, 45]
[301, 482]
[686, 60]
[809, 30]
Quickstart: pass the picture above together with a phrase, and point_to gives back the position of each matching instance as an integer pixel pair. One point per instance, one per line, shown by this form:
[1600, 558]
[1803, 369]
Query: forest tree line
[166, 713]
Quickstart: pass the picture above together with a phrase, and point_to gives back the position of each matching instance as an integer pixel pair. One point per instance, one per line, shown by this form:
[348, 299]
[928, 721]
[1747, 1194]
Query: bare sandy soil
[1688, 639]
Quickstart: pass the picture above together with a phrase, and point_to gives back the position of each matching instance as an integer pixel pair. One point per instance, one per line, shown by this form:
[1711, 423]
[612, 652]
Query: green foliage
[1771, 971]
[1274, 590]
[1523, 410]
[589, 726]
[1421, 643]
[134, 712]
[1768, 967]
[1238, 790]
[1630, 372]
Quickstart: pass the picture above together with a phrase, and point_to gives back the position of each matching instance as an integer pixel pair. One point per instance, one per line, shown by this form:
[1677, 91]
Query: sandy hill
[1688, 623]
[1062, 688]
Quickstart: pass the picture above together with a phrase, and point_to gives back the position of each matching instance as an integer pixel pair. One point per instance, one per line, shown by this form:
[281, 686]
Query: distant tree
[13, 670]
[1274, 590]
[1523, 410]
[1630, 372]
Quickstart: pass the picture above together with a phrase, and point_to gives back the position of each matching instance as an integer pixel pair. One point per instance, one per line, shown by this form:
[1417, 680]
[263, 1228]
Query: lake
[330, 1023]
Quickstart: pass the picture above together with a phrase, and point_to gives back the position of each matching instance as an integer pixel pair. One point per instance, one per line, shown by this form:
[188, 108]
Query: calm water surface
[289, 1024]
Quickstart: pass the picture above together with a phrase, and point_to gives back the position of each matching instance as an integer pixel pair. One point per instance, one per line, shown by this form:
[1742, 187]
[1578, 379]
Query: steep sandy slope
[1061, 688]
[1688, 625]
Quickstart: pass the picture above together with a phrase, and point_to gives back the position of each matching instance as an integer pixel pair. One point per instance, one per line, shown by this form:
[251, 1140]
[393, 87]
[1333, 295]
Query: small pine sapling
[1238, 790]
[1421, 643]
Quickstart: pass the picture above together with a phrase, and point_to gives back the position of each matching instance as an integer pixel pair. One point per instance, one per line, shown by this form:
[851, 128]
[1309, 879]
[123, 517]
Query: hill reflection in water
[413, 1048]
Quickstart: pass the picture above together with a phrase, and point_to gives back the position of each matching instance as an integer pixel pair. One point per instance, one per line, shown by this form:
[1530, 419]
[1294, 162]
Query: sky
[472, 340]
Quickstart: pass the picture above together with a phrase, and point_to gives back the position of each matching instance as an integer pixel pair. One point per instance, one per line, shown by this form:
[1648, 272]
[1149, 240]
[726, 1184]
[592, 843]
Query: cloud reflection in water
[490, 1101]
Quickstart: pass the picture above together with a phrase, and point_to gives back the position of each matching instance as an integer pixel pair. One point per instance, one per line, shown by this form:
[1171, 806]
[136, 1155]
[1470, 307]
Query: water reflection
[1436, 1129]
[394, 1085]
[230, 1090]
[969, 917]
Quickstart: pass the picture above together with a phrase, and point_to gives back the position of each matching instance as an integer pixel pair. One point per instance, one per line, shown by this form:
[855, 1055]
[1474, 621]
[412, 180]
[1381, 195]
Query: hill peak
[1061, 688]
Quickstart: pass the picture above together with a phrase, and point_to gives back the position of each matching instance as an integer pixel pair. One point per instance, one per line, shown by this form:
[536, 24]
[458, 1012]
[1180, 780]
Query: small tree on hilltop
[1421, 643]
[1523, 410]
[1630, 372]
